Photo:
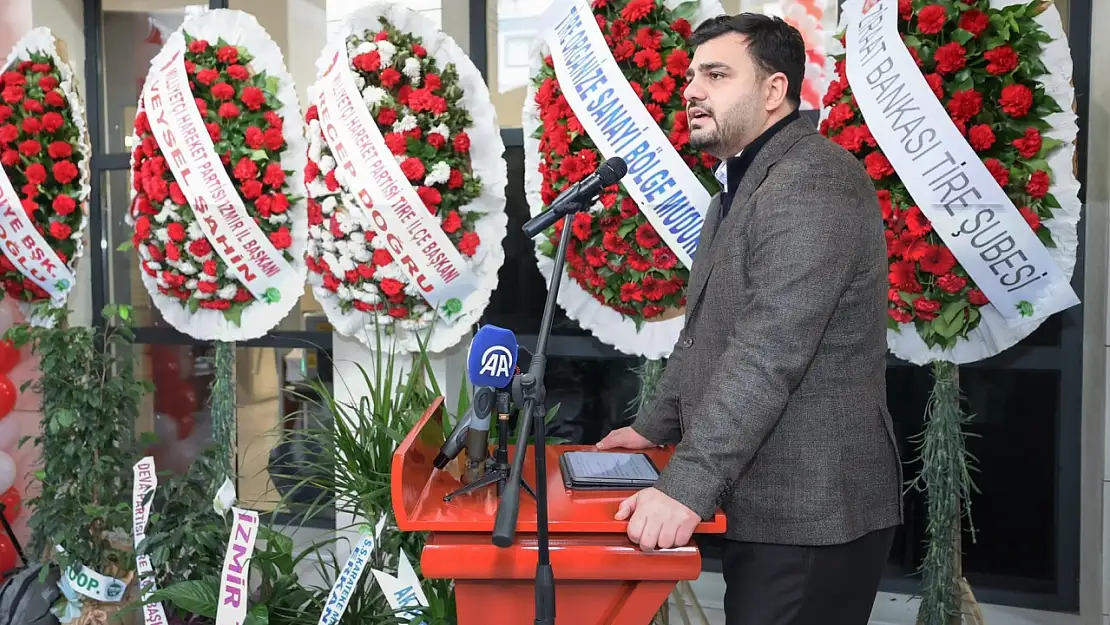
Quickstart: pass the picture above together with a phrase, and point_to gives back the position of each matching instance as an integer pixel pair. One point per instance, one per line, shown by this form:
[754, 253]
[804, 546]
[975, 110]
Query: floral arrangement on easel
[427, 107]
[1002, 70]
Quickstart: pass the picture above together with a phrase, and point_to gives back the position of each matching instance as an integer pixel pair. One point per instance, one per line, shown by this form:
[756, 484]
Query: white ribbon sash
[234, 589]
[145, 482]
[669, 195]
[191, 156]
[344, 587]
[26, 249]
[413, 234]
[971, 213]
[403, 591]
[95, 585]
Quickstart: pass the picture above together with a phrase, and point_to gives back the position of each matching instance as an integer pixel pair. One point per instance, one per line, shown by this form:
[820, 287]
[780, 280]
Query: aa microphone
[578, 197]
[490, 364]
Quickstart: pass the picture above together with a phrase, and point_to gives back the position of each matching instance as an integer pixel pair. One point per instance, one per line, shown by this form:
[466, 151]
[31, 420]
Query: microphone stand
[530, 392]
[498, 471]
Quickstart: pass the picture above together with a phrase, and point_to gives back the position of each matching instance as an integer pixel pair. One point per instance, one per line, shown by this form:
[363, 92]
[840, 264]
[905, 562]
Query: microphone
[484, 398]
[490, 364]
[578, 197]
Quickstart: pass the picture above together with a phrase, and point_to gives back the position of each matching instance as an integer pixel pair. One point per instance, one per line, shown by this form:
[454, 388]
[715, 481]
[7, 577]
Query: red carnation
[452, 222]
[274, 176]
[1031, 217]
[878, 166]
[12, 95]
[197, 46]
[998, 170]
[413, 168]
[974, 21]
[931, 19]
[252, 98]
[8, 134]
[274, 139]
[369, 62]
[250, 189]
[648, 59]
[1037, 187]
[682, 28]
[223, 91]
[47, 83]
[391, 287]
[455, 181]
[1016, 100]
[54, 99]
[59, 230]
[937, 260]
[52, 121]
[430, 197]
[950, 58]
[228, 54]
[965, 104]
[245, 169]
[59, 150]
[647, 237]
[281, 239]
[389, 78]
[951, 283]
[1001, 60]
[1030, 143]
[468, 245]
[981, 137]
[63, 205]
[36, 173]
[927, 309]
[255, 138]
[30, 147]
[238, 72]
[32, 106]
[228, 110]
[9, 158]
[208, 76]
[176, 231]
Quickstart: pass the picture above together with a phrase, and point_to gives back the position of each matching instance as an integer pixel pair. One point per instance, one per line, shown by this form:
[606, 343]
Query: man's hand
[625, 438]
[655, 521]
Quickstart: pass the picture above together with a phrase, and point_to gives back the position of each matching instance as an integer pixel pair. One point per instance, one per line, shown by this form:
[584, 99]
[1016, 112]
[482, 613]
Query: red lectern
[601, 577]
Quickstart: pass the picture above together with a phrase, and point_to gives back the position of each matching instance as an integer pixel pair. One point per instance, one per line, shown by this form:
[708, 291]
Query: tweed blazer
[776, 391]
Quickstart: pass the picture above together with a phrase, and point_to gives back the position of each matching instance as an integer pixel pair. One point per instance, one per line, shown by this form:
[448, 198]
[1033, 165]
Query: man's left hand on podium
[657, 521]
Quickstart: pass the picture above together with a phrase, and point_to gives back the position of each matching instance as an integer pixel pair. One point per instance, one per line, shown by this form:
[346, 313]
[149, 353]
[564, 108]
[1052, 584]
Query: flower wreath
[249, 106]
[44, 150]
[1002, 68]
[806, 15]
[626, 286]
[436, 116]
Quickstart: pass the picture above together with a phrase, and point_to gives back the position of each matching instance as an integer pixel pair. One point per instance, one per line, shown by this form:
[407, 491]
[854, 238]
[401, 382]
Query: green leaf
[198, 596]
[194, 304]
[962, 36]
[953, 310]
[258, 155]
[686, 10]
[1045, 236]
[948, 329]
[234, 314]
[126, 246]
[1049, 144]
[1050, 201]
[912, 41]
[1034, 164]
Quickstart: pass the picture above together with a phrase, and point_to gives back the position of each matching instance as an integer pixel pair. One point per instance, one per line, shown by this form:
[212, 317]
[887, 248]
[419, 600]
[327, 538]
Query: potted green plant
[90, 400]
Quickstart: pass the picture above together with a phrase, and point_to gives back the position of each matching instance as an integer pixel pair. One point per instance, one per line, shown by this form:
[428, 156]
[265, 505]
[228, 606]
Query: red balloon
[9, 357]
[8, 395]
[12, 502]
[8, 555]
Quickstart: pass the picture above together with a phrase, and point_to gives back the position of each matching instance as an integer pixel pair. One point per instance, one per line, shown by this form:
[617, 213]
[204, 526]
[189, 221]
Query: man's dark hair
[774, 45]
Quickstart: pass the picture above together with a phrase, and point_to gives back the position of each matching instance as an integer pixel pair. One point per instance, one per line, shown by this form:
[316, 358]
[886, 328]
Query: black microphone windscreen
[612, 170]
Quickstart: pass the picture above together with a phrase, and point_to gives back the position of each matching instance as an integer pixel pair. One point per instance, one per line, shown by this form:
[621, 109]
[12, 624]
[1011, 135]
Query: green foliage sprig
[90, 401]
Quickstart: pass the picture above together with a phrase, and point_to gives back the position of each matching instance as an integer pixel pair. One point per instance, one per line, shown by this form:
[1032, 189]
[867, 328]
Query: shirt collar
[730, 171]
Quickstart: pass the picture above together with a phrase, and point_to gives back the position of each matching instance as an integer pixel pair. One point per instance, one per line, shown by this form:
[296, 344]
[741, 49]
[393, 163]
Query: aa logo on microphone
[497, 361]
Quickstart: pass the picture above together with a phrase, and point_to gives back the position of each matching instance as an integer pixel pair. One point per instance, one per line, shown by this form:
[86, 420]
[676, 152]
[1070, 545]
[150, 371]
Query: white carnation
[405, 124]
[229, 273]
[373, 96]
[144, 253]
[154, 265]
[357, 238]
[333, 264]
[366, 47]
[318, 188]
[186, 268]
[344, 293]
[387, 51]
[412, 70]
[327, 163]
[362, 254]
[412, 290]
[192, 284]
[346, 264]
[227, 292]
[162, 235]
[201, 295]
[311, 248]
[279, 219]
[441, 130]
[194, 231]
[439, 174]
[328, 205]
[360, 82]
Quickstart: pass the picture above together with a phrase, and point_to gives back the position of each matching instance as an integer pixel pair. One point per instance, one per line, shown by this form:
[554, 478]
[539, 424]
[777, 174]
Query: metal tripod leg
[496, 475]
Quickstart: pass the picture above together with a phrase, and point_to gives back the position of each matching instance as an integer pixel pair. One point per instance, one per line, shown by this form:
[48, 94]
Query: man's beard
[729, 128]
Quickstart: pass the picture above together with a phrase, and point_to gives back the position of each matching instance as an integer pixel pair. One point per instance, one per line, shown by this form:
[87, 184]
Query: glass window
[275, 412]
[1016, 417]
[131, 39]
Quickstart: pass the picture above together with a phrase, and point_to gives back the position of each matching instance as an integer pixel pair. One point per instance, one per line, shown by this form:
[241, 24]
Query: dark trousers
[791, 585]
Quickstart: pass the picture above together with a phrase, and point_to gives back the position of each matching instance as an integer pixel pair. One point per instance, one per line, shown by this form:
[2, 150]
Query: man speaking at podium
[776, 391]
